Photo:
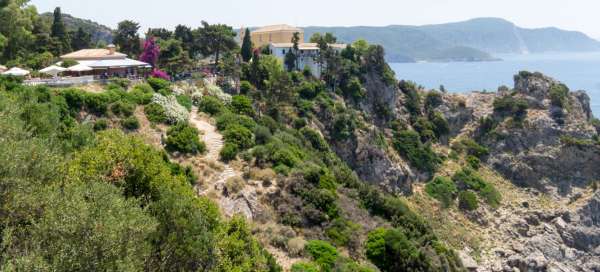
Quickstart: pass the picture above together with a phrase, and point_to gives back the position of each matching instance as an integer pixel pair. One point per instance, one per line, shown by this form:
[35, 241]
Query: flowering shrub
[174, 112]
[160, 74]
[216, 91]
[151, 52]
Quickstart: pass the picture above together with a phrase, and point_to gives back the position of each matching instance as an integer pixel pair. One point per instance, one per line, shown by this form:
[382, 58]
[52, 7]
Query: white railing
[61, 81]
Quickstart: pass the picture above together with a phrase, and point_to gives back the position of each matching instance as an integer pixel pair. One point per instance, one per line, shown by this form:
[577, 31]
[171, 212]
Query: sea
[579, 71]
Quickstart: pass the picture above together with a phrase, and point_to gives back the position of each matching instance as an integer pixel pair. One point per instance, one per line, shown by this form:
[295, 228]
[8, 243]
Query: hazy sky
[581, 15]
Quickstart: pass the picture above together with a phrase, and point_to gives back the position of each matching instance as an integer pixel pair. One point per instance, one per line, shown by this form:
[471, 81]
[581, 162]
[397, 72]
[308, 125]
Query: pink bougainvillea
[151, 52]
[160, 74]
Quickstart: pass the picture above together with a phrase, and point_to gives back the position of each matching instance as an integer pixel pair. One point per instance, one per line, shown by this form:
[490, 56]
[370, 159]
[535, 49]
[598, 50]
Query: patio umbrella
[3, 68]
[53, 70]
[16, 71]
[80, 68]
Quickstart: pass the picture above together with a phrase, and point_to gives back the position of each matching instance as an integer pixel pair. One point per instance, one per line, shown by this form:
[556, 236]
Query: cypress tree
[247, 47]
[59, 34]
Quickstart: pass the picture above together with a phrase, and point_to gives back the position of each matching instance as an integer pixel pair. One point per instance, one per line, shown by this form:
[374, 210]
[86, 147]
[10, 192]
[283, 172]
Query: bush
[229, 152]
[342, 231]
[155, 113]
[174, 112]
[101, 124]
[184, 138]
[467, 201]
[473, 162]
[309, 90]
[409, 145]
[323, 253]
[305, 267]
[343, 127]
[185, 101]
[122, 109]
[440, 124]
[158, 84]
[97, 103]
[433, 99]
[246, 87]
[412, 100]
[211, 105]
[121, 82]
[467, 179]
[241, 104]
[240, 136]
[442, 189]
[315, 139]
[262, 134]
[471, 147]
[391, 250]
[142, 94]
[354, 89]
[559, 95]
[511, 106]
[130, 123]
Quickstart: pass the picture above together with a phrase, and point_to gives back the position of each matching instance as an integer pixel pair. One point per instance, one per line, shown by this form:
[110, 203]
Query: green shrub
[442, 189]
[185, 101]
[305, 267]
[246, 87]
[342, 231]
[343, 127]
[440, 124]
[309, 90]
[155, 113]
[228, 119]
[467, 179]
[299, 123]
[184, 138]
[97, 103]
[471, 147]
[323, 253]
[211, 105]
[433, 99]
[510, 106]
[130, 123]
[121, 82]
[101, 124]
[408, 144]
[354, 89]
[240, 136]
[315, 139]
[158, 84]
[467, 200]
[559, 95]
[142, 94]
[391, 250]
[473, 162]
[122, 109]
[262, 134]
[229, 152]
[412, 100]
[241, 104]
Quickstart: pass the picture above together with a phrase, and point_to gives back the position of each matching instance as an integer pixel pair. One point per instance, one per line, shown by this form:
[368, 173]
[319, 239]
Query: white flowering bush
[174, 112]
[214, 90]
[197, 97]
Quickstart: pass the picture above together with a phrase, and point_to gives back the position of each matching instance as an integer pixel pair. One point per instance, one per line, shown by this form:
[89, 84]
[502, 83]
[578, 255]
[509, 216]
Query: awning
[16, 71]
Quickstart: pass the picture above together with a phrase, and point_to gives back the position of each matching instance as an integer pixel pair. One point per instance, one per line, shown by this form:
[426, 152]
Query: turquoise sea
[579, 71]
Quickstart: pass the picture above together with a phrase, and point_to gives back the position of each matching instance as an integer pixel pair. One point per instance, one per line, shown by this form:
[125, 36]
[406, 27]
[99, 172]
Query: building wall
[265, 38]
[306, 58]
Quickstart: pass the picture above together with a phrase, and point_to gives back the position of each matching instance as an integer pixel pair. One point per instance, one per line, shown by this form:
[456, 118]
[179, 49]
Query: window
[283, 51]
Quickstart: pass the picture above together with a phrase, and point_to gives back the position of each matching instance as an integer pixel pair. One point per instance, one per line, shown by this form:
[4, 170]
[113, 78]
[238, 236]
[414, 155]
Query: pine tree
[247, 46]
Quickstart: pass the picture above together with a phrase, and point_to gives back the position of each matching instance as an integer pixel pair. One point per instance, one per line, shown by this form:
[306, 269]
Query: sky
[580, 15]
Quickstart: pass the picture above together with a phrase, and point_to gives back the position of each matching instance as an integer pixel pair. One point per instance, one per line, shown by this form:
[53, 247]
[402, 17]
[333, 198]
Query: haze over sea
[579, 71]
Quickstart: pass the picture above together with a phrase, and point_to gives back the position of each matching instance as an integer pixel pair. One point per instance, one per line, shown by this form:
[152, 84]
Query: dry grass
[235, 185]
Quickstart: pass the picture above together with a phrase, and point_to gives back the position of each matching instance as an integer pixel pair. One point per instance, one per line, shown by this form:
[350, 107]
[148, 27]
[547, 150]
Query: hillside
[476, 39]
[100, 33]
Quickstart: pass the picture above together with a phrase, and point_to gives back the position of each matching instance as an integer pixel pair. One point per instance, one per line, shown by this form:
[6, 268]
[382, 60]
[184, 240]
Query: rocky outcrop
[543, 152]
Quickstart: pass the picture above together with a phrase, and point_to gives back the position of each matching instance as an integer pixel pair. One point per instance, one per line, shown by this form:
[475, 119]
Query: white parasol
[80, 68]
[16, 71]
[53, 70]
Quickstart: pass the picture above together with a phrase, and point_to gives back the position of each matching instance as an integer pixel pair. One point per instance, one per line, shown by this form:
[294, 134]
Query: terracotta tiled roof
[86, 54]
[274, 28]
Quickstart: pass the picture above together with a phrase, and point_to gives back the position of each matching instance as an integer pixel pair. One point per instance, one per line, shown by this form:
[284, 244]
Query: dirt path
[214, 143]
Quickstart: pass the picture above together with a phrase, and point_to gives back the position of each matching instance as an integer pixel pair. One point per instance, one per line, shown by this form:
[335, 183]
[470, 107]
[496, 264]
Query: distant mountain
[100, 33]
[473, 40]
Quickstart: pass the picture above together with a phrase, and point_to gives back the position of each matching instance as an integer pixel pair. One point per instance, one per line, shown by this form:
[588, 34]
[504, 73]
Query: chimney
[111, 49]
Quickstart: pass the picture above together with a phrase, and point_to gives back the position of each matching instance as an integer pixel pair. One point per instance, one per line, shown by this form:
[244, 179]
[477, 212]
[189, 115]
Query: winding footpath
[214, 143]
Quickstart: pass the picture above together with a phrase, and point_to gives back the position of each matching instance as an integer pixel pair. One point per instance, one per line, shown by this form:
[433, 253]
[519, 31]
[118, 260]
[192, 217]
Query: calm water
[580, 71]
